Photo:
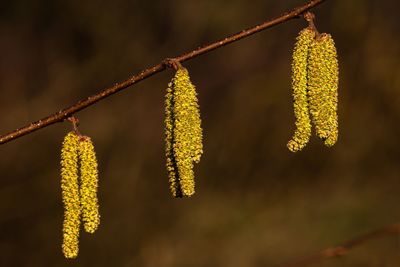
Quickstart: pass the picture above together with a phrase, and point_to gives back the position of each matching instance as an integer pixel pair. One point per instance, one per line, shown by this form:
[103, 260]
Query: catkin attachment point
[183, 133]
[173, 63]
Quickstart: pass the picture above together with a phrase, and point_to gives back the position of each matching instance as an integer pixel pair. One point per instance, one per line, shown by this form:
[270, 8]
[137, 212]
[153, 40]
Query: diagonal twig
[344, 248]
[84, 103]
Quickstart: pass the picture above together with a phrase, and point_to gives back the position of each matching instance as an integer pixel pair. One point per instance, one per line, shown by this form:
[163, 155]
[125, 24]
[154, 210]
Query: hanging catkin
[70, 195]
[323, 79]
[299, 89]
[89, 184]
[79, 195]
[183, 133]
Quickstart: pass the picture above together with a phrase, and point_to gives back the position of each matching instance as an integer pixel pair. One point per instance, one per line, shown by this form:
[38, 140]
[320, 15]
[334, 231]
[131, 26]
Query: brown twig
[84, 103]
[343, 249]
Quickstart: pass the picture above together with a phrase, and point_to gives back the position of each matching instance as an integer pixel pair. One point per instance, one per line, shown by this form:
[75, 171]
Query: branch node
[172, 63]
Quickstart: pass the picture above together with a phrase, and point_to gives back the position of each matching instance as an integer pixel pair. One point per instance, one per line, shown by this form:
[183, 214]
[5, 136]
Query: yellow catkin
[299, 89]
[323, 79]
[183, 133]
[70, 195]
[169, 128]
[88, 185]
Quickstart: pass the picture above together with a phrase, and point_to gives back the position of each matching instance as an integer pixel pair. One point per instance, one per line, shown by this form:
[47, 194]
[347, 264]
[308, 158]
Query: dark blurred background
[257, 204]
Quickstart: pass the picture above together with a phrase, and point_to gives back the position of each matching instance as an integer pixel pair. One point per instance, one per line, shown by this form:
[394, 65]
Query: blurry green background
[257, 204]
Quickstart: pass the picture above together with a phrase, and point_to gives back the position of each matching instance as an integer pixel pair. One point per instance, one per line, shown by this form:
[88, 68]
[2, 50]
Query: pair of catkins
[315, 81]
[79, 181]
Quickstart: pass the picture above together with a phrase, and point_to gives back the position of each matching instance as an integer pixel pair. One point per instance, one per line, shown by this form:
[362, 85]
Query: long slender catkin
[70, 195]
[323, 79]
[183, 133]
[89, 184]
[299, 89]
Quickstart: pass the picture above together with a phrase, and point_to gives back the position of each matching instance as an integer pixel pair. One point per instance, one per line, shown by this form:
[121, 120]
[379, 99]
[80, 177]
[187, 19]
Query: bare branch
[84, 103]
[343, 249]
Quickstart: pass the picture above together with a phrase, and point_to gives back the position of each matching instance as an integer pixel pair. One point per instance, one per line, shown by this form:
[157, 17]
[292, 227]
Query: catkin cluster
[79, 195]
[315, 78]
[183, 133]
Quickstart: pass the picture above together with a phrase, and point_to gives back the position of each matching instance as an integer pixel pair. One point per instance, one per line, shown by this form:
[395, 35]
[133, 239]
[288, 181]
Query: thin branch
[344, 248]
[84, 103]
